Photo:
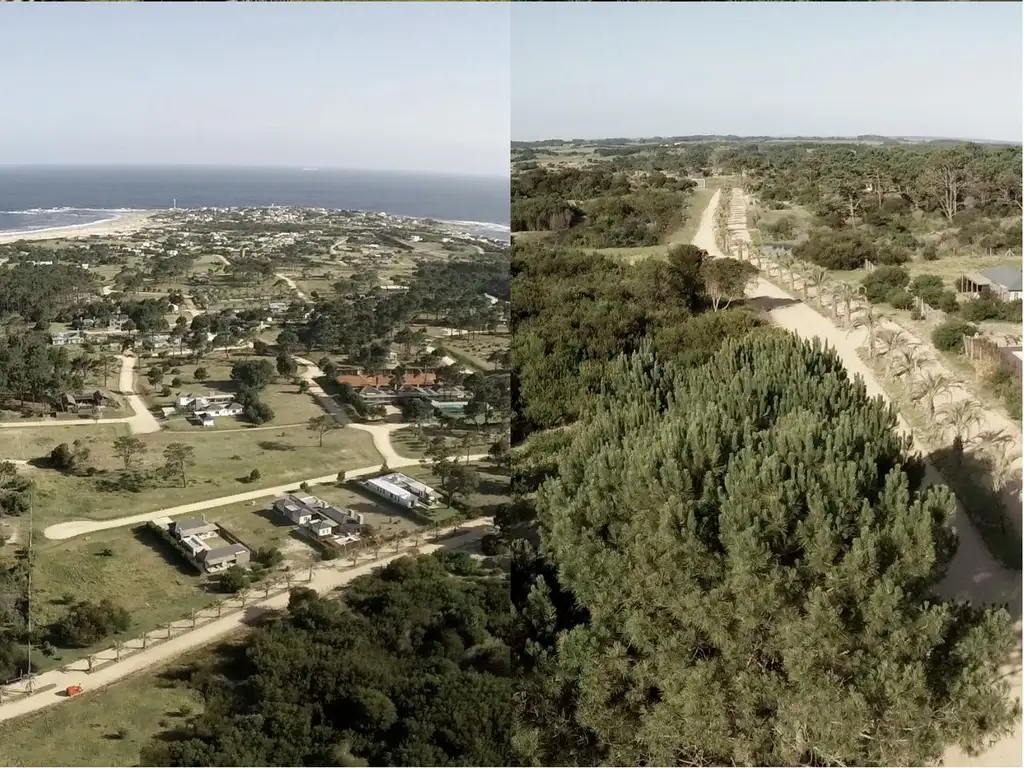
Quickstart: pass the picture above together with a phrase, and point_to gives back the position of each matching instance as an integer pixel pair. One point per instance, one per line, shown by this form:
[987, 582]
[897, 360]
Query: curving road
[973, 575]
[291, 284]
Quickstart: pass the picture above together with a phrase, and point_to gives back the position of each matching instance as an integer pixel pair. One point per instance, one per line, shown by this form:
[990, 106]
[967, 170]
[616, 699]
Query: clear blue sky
[397, 86]
[638, 69]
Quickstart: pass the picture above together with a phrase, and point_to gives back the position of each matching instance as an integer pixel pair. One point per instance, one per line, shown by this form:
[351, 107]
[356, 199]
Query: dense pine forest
[724, 553]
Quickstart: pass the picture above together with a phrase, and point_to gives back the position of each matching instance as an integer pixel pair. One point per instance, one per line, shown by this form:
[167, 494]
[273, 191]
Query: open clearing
[698, 202]
[223, 460]
[88, 730]
[131, 566]
[476, 349]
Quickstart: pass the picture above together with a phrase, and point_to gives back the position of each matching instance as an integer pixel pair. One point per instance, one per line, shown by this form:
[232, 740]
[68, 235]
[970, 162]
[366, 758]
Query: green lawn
[86, 731]
[476, 349]
[223, 458]
[290, 406]
[142, 573]
[408, 443]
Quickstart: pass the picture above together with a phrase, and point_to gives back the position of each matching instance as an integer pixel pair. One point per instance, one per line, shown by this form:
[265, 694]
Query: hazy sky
[397, 86]
[637, 69]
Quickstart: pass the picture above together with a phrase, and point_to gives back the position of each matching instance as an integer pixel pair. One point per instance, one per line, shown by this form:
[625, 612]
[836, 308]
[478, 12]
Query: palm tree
[960, 417]
[891, 341]
[816, 278]
[992, 441]
[846, 293]
[931, 387]
[787, 261]
[869, 319]
[913, 361]
[1002, 469]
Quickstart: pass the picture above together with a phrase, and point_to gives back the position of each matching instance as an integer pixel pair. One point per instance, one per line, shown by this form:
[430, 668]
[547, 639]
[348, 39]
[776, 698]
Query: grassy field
[223, 460]
[475, 349]
[130, 565]
[801, 219]
[290, 406]
[104, 727]
[695, 208]
[34, 442]
[407, 441]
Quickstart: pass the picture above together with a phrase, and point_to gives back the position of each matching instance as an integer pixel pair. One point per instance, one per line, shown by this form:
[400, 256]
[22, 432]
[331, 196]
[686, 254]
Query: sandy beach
[123, 224]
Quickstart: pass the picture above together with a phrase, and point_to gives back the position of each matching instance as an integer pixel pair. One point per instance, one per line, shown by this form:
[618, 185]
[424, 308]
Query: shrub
[949, 336]
[254, 476]
[930, 252]
[900, 299]
[268, 557]
[234, 579]
[978, 310]
[259, 412]
[201, 374]
[1007, 387]
[88, 622]
[883, 281]
[843, 250]
[176, 382]
[948, 302]
[493, 545]
[928, 288]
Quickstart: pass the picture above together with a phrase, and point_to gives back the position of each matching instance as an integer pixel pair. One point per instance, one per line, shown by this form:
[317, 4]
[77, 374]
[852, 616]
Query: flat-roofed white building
[393, 493]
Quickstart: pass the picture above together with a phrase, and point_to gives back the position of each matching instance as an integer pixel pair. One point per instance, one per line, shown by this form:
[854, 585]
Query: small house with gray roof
[207, 545]
[1003, 281]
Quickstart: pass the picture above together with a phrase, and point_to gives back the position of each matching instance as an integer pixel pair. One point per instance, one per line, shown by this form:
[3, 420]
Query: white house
[421, 491]
[197, 403]
[319, 518]
[222, 409]
[393, 493]
[67, 337]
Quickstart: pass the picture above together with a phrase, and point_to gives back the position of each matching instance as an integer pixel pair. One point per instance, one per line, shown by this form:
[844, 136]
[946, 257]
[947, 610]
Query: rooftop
[1007, 276]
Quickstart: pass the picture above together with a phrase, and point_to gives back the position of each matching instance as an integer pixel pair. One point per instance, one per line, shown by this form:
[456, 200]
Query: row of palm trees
[904, 360]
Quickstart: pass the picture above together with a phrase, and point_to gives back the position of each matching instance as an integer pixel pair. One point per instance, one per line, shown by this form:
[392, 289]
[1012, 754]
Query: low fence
[26, 686]
[982, 350]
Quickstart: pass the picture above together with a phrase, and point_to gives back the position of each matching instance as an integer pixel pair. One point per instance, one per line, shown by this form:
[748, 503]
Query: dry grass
[223, 459]
[85, 731]
[476, 349]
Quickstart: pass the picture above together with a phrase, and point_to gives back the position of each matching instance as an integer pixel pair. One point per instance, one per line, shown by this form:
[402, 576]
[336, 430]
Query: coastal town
[200, 409]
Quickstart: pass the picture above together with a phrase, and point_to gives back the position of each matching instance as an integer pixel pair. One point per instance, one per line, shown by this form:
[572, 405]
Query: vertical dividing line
[28, 595]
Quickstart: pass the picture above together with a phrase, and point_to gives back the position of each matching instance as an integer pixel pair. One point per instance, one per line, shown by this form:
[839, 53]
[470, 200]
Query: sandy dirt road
[291, 284]
[992, 420]
[973, 575]
[137, 659]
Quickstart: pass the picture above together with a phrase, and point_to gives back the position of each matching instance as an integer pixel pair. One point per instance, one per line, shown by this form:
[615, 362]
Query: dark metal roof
[1008, 277]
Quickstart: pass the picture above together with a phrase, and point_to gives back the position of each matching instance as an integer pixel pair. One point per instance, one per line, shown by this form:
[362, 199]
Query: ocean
[51, 197]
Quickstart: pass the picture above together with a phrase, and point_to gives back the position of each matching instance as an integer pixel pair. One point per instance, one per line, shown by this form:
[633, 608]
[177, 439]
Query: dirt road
[992, 420]
[136, 659]
[973, 575]
[291, 284]
[142, 422]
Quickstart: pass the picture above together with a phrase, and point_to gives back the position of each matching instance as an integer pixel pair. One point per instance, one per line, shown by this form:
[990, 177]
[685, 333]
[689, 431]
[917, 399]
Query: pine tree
[756, 555]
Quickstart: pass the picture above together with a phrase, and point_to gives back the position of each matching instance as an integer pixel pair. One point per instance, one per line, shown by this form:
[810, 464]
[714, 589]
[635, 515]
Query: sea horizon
[44, 198]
